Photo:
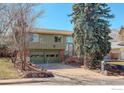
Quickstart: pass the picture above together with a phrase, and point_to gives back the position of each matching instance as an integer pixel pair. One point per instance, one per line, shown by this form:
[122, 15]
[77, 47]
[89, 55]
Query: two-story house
[48, 45]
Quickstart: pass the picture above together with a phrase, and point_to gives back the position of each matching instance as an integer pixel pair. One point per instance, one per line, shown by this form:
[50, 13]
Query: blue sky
[56, 16]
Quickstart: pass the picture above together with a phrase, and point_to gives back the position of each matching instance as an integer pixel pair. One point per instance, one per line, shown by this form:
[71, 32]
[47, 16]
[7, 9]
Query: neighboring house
[47, 46]
[117, 45]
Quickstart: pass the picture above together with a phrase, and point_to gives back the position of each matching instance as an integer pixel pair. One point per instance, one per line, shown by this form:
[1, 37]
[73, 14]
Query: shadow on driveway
[53, 66]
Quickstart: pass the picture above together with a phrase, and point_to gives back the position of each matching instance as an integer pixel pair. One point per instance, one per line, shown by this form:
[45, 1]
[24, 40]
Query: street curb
[25, 80]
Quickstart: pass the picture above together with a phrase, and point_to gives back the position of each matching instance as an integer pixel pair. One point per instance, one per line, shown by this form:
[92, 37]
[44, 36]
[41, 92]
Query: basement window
[50, 55]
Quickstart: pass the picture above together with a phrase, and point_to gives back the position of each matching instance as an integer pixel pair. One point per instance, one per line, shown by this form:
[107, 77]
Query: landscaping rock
[34, 74]
[108, 73]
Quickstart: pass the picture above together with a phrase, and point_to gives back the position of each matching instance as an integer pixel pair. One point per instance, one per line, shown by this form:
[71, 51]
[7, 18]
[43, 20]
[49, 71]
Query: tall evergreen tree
[91, 31]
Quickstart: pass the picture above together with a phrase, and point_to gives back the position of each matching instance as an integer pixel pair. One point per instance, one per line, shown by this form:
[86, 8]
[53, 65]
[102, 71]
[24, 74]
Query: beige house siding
[48, 42]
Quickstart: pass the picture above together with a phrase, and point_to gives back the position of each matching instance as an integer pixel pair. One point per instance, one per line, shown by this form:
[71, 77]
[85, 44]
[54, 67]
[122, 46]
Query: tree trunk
[85, 62]
[24, 60]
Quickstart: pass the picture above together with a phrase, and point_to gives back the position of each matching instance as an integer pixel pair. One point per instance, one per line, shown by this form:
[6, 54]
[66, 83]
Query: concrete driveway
[81, 76]
[55, 66]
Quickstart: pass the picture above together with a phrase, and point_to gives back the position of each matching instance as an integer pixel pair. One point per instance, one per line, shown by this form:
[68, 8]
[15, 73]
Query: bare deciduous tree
[22, 19]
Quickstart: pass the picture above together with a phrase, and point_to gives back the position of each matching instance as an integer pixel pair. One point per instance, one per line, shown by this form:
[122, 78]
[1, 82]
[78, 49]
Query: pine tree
[91, 31]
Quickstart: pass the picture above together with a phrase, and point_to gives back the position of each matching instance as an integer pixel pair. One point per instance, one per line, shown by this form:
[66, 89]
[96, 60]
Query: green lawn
[7, 69]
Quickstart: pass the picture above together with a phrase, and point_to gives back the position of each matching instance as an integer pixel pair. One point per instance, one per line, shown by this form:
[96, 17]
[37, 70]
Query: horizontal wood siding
[48, 42]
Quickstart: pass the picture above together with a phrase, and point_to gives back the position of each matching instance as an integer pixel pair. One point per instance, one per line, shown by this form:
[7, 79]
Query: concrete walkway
[25, 80]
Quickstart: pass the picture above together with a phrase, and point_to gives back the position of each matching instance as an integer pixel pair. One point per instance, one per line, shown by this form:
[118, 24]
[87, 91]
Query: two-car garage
[44, 56]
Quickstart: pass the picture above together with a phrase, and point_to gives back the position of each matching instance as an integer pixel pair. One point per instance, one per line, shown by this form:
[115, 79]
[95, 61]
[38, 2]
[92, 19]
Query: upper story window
[34, 38]
[58, 38]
